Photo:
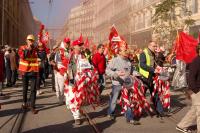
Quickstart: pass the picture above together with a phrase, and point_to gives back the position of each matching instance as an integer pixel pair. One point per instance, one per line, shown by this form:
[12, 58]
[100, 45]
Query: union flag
[186, 47]
[113, 32]
[86, 44]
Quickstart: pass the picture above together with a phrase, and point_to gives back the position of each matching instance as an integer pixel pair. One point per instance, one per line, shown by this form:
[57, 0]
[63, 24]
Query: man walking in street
[42, 55]
[8, 67]
[13, 65]
[118, 68]
[62, 61]
[193, 115]
[99, 63]
[29, 68]
[147, 67]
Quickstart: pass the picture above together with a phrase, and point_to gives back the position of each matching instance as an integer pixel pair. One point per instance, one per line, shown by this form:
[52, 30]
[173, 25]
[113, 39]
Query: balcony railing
[121, 14]
[143, 4]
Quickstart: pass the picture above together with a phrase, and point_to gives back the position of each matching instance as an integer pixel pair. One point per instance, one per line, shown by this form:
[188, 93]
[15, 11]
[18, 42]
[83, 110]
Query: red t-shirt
[99, 62]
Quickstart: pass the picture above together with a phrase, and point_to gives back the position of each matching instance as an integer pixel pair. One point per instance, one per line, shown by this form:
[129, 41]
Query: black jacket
[194, 75]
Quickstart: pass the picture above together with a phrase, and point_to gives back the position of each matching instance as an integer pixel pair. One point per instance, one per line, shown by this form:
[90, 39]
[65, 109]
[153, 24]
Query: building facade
[87, 18]
[132, 18]
[118, 14]
[74, 22]
[141, 14]
[80, 21]
[103, 13]
[194, 6]
[16, 21]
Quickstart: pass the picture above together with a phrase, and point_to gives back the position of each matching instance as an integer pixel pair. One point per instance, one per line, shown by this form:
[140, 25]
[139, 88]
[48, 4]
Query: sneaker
[24, 106]
[39, 92]
[161, 115]
[134, 122]
[183, 130]
[77, 122]
[34, 111]
[111, 117]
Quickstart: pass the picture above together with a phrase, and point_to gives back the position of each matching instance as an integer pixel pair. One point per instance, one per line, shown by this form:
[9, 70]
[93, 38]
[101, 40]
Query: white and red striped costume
[162, 87]
[85, 89]
[134, 98]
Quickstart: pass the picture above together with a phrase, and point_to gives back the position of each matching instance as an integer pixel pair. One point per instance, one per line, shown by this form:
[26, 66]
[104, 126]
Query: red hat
[77, 43]
[66, 40]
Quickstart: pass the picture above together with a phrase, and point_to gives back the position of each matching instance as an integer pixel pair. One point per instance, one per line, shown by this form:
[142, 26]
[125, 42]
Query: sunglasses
[31, 40]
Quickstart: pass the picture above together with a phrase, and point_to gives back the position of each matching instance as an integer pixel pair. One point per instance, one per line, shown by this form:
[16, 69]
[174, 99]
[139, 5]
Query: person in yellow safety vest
[147, 67]
[29, 68]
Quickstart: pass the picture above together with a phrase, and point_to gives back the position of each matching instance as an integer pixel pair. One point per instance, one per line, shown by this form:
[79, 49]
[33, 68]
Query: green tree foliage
[169, 17]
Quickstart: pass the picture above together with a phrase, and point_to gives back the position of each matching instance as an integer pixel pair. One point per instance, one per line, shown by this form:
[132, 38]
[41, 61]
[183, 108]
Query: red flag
[81, 38]
[113, 47]
[43, 35]
[113, 32]
[45, 38]
[86, 44]
[186, 47]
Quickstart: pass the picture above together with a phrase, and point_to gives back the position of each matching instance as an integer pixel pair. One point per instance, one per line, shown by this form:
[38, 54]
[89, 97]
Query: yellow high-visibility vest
[148, 63]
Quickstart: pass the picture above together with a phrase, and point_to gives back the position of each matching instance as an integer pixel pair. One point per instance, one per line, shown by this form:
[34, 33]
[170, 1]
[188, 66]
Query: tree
[169, 17]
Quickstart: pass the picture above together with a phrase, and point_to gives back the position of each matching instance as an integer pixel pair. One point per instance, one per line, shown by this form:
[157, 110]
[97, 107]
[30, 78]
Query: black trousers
[8, 76]
[101, 83]
[156, 100]
[14, 77]
[32, 77]
[40, 78]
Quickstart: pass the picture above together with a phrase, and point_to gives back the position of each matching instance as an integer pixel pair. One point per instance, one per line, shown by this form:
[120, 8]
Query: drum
[128, 82]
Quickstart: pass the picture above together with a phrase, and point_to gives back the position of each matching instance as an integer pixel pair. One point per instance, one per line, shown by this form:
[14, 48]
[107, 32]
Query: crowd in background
[70, 60]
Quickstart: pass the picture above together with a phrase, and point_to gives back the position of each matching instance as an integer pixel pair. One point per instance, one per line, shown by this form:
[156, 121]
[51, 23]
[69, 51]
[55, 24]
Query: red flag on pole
[186, 47]
[86, 44]
[81, 38]
[113, 32]
[113, 46]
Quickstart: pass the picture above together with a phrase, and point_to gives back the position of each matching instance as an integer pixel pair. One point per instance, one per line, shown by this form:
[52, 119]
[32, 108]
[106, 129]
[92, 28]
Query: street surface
[53, 118]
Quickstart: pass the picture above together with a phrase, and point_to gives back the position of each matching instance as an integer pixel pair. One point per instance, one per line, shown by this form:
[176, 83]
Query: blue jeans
[158, 104]
[128, 114]
[113, 99]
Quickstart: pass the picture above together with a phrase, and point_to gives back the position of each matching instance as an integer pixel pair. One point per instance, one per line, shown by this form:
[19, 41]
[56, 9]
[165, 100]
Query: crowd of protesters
[8, 65]
[78, 76]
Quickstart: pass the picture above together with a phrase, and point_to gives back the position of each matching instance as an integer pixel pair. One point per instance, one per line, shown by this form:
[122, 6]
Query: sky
[52, 15]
